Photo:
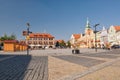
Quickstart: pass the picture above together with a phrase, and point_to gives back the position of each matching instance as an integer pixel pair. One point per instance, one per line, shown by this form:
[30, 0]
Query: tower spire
[87, 24]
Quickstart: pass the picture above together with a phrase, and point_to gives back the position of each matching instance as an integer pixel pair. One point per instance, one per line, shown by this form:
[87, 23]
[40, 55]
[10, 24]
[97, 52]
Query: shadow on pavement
[13, 67]
[87, 62]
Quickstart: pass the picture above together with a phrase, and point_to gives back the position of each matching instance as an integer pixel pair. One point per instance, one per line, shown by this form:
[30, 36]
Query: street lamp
[28, 26]
[96, 37]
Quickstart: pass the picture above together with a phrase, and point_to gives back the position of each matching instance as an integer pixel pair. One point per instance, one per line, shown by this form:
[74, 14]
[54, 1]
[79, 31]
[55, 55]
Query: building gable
[76, 36]
[117, 28]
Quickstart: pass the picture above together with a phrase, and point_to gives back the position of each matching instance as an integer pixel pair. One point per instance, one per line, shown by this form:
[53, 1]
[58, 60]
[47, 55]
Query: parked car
[115, 46]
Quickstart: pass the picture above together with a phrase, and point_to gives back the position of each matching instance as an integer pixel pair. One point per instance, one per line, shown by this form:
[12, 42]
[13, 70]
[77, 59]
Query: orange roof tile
[117, 28]
[59, 41]
[11, 41]
[76, 36]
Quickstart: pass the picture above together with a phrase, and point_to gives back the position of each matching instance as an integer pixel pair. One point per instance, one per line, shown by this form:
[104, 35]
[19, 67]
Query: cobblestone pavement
[22, 67]
[35, 66]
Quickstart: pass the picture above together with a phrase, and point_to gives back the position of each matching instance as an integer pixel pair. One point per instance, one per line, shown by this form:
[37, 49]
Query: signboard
[24, 33]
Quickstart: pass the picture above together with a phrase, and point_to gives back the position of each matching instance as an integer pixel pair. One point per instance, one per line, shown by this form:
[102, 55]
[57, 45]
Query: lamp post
[96, 37]
[28, 25]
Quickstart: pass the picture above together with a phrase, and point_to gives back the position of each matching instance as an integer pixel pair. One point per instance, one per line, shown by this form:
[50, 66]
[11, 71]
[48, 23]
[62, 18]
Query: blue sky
[61, 18]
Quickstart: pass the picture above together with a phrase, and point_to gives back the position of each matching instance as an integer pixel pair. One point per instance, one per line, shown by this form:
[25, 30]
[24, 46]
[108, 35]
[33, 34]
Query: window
[40, 38]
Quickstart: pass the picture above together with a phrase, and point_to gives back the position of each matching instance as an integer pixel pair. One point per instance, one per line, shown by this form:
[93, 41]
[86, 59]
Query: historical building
[74, 39]
[89, 35]
[104, 37]
[114, 35]
[86, 40]
[41, 40]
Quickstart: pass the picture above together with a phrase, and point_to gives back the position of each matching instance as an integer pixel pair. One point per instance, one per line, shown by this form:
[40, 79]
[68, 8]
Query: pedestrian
[103, 47]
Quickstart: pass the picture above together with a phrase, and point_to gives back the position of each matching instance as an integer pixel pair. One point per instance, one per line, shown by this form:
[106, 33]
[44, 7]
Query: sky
[61, 18]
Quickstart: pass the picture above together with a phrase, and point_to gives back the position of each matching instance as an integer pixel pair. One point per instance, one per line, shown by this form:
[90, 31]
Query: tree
[5, 37]
[62, 44]
[68, 44]
[12, 37]
[57, 44]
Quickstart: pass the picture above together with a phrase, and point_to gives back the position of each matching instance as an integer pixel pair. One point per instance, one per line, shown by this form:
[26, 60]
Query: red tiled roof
[11, 41]
[76, 36]
[59, 41]
[117, 28]
[40, 35]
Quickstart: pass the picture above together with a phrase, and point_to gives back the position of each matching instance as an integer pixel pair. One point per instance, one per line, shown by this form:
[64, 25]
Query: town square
[59, 40]
[60, 64]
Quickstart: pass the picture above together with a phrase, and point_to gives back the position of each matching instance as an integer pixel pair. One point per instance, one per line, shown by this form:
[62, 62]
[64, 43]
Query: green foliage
[68, 44]
[12, 37]
[62, 44]
[6, 37]
[57, 44]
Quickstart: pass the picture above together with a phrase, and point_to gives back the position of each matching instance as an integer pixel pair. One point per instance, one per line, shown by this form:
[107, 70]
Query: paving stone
[87, 62]
[101, 55]
[22, 67]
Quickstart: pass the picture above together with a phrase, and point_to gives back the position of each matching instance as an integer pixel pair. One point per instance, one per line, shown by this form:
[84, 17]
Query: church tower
[87, 24]
[87, 28]
[88, 33]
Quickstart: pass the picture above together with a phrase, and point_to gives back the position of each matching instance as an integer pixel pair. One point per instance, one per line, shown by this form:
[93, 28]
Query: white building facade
[114, 35]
